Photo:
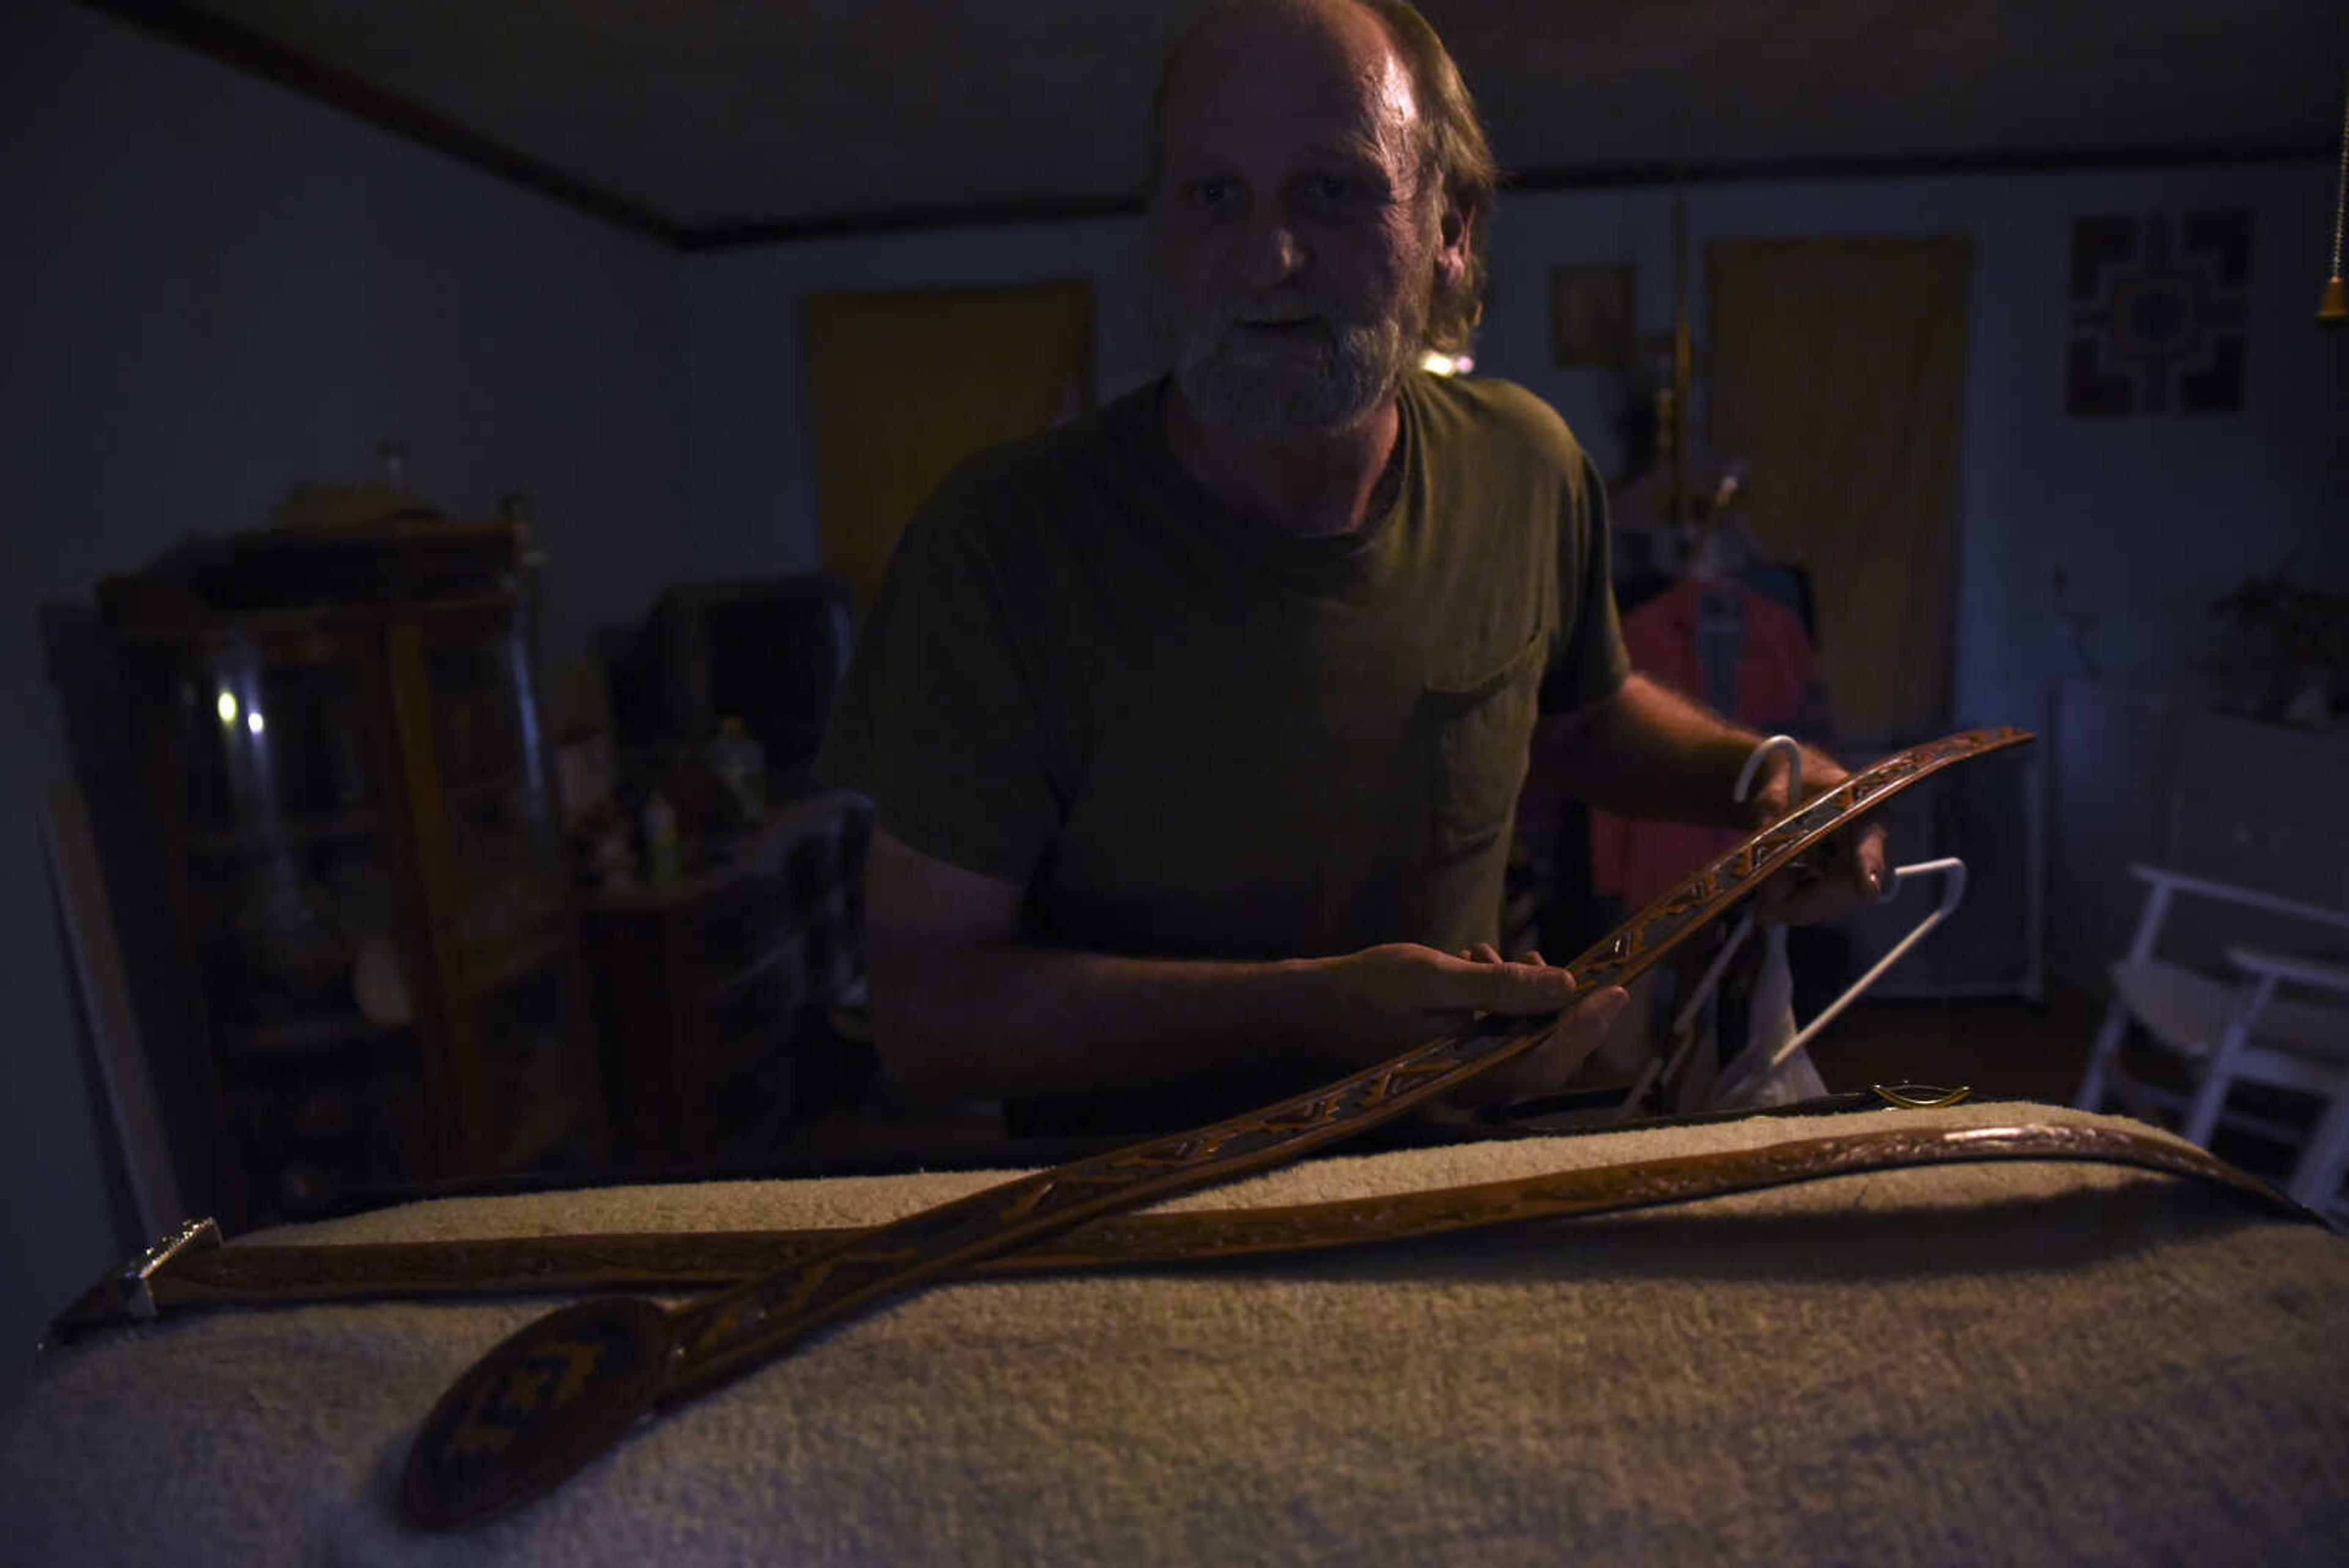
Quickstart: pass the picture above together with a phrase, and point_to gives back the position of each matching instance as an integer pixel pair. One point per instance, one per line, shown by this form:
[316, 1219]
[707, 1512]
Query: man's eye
[1346, 192]
[1212, 194]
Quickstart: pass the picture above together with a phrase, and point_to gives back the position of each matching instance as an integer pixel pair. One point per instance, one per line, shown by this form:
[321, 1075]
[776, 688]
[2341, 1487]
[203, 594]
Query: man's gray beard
[1351, 371]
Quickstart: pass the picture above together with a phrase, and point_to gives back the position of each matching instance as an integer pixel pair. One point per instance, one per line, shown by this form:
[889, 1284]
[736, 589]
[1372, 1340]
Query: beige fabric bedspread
[2021, 1363]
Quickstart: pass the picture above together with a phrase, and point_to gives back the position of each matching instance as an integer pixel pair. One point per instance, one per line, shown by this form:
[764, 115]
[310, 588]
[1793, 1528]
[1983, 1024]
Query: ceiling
[709, 120]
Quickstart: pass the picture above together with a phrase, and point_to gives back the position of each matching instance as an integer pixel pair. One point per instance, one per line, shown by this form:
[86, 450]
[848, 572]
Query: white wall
[753, 483]
[210, 288]
[2151, 516]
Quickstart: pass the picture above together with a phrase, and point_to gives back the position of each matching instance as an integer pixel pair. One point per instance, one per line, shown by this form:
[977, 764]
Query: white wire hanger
[1952, 870]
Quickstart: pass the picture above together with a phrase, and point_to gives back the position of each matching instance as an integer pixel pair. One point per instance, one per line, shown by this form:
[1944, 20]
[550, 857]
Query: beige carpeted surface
[2023, 1362]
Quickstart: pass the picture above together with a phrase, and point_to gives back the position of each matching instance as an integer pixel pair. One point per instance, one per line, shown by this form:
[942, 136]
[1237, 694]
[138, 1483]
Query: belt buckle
[135, 1277]
[126, 1294]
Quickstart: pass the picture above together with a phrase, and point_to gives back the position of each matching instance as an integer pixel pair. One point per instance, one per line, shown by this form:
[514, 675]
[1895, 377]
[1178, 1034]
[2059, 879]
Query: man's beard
[1277, 384]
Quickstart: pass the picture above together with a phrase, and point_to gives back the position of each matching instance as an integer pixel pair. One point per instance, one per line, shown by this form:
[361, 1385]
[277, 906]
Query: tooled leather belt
[495, 1440]
[191, 1268]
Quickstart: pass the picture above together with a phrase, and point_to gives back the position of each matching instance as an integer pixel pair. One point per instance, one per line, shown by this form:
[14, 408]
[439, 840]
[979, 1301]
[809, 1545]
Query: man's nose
[1271, 250]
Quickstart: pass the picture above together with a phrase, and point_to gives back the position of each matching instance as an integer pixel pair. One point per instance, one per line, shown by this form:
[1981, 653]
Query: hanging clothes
[1741, 653]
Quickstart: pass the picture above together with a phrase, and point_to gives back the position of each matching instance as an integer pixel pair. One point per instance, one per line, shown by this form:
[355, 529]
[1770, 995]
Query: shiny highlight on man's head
[1454, 155]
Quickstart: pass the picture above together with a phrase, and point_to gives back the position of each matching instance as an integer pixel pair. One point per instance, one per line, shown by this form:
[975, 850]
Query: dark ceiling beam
[248, 51]
[897, 220]
[2015, 161]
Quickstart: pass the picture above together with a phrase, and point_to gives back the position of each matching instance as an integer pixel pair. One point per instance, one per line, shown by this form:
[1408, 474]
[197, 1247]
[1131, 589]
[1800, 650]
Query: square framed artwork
[2159, 308]
[1590, 315]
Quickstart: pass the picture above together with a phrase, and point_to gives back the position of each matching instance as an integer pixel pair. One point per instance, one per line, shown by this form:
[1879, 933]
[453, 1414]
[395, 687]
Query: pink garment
[1778, 688]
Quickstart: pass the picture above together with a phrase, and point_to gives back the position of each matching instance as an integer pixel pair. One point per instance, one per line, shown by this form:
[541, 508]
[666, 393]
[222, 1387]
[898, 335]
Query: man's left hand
[1833, 878]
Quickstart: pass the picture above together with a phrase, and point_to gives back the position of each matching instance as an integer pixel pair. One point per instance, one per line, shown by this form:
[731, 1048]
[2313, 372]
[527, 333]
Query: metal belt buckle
[138, 1294]
[1922, 1096]
[126, 1294]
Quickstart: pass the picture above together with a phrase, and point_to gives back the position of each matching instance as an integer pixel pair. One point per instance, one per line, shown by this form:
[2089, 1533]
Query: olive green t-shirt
[1191, 735]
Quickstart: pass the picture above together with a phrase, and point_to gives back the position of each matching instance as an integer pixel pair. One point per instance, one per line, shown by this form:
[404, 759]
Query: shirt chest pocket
[1481, 729]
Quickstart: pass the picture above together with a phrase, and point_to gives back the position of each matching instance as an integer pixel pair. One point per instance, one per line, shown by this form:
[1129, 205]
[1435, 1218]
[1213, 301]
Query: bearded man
[1195, 728]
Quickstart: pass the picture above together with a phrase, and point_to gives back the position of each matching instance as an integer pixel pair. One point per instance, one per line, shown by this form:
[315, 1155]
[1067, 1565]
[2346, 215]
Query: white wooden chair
[2277, 1018]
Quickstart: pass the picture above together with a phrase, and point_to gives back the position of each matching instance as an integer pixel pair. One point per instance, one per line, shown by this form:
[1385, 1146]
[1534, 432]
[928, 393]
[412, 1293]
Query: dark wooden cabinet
[373, 900]
[707, 988]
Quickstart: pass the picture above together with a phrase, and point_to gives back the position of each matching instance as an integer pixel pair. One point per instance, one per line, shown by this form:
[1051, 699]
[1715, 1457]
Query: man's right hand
[1385, 1000]
[964, 1008]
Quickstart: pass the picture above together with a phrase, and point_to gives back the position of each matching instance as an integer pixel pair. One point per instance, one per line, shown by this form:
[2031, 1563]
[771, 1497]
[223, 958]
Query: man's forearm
[1649, 751]
[1004, 1018]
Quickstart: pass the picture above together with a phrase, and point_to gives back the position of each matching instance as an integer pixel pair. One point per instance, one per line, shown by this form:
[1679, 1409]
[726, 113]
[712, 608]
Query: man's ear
[1455, 224]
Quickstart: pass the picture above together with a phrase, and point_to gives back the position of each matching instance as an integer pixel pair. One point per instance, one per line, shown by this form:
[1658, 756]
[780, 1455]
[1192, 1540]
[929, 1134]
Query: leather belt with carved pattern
[190, 1270]
[478, 1454]
[481, 1452]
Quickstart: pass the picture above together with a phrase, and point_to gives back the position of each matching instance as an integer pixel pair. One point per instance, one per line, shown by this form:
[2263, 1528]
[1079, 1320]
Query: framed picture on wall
[2159, 307]
[1590, 315]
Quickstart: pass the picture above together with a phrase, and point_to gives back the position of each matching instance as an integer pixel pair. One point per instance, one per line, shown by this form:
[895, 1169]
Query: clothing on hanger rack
[1741, 653]
[1649, 560]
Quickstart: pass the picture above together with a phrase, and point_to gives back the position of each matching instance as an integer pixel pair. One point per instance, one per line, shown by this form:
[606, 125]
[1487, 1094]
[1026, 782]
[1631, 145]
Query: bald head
[1387, 55]
[1275, 41]
[1286, 42]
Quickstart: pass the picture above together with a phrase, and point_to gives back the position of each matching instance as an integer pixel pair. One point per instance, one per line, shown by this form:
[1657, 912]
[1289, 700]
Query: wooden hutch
[372, 897]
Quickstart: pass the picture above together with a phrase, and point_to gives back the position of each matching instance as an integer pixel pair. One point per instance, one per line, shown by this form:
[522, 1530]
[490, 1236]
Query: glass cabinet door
[376, 921]
[377, 904]
[510, 956]
[296, 923]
